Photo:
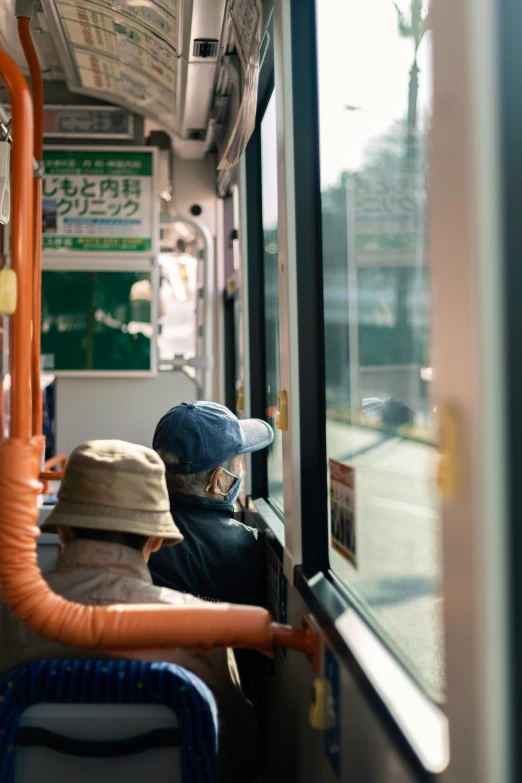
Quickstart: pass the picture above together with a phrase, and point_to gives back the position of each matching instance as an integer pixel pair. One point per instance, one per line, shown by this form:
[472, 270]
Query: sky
[363, 62]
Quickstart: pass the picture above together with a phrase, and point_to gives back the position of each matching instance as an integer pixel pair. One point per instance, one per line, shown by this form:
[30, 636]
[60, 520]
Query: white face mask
[233, 492]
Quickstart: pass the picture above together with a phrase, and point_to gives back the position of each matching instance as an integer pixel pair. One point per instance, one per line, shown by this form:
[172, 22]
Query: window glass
[270, 256]
[375, 98]
[178, 296]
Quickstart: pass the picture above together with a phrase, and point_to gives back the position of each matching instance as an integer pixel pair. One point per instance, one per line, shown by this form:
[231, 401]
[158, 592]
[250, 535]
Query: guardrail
[48, 474]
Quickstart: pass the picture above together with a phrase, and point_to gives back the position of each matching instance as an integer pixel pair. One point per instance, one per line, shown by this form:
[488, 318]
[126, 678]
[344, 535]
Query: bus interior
[308, 212]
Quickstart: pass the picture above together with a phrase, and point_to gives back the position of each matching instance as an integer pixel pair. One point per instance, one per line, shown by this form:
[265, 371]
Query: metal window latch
[240, 401]
[449, 475]
[282, 411]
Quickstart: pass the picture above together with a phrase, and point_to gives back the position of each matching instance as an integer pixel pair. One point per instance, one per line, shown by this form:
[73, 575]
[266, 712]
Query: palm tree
[415, 28]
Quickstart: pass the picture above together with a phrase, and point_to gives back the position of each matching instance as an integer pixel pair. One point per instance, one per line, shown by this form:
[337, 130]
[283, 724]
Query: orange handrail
[118, 627]
[58, 459]
[26, 40]
[48, 474]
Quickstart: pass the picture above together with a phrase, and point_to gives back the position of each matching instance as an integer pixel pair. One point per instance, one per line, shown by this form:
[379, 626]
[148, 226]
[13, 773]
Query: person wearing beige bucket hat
[117, 489]
[112, 512]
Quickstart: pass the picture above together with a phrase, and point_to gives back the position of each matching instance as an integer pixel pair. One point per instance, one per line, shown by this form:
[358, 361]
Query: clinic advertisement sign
[98, 201]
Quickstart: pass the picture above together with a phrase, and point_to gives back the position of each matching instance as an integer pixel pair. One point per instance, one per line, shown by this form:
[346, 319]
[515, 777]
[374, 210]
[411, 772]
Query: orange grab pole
[21, 245]
[118, 627]
[31, 56]
[2, 394]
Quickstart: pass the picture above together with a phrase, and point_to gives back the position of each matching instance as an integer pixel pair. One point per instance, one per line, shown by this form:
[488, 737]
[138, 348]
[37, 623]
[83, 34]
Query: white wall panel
[126, 409]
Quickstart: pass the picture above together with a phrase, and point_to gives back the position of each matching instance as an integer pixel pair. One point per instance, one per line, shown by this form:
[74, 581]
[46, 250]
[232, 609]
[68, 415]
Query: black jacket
[219, 559]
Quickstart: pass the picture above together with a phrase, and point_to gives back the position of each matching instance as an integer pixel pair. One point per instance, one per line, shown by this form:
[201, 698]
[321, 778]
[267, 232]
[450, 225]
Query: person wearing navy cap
[201, 444]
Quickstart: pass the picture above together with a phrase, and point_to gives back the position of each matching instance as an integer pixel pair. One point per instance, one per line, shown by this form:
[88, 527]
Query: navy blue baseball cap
[204, 435]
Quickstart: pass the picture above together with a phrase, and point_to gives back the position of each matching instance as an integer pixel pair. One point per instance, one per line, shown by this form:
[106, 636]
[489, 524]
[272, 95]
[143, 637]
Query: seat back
[106, 720]
[97, 742]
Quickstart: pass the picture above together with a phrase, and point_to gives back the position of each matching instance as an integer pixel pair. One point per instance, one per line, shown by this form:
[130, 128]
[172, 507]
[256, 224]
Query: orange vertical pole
[31, 56]
[2, 395]
[21, 245]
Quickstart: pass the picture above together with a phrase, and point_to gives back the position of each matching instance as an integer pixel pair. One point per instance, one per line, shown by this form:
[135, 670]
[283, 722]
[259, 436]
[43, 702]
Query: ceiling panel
[10, 42]
[123, 52]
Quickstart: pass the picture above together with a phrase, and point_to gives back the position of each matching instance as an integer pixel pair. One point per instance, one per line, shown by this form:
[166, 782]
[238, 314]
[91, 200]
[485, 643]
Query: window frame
[255, 278]
[312, 453]
[306, 109]
[256, 303]
[230, 329]
[305, 551]
[230, 295]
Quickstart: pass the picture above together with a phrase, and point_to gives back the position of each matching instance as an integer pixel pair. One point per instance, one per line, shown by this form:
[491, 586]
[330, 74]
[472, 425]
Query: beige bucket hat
[116, 486]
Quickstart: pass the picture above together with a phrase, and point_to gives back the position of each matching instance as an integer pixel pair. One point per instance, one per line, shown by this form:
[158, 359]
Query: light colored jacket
[98, 574]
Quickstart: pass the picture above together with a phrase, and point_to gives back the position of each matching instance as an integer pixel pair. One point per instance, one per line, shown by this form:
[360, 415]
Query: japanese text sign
[389, 210]
[97, 201]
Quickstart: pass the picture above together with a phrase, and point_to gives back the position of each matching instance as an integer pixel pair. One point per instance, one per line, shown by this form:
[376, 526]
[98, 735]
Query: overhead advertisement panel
[98, 200]
[125, 52]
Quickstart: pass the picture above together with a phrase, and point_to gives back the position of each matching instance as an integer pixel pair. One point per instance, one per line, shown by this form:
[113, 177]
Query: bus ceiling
[165, 64]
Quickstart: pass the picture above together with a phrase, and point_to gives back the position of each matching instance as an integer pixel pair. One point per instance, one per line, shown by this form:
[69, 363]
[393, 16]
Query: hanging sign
[246, 17]
[342, 510]
[247, 23]
[98, 201]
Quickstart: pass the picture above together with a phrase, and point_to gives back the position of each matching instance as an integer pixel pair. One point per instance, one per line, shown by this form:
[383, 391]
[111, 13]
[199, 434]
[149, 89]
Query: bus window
[178, 298]
[375, 107]
[270, 260]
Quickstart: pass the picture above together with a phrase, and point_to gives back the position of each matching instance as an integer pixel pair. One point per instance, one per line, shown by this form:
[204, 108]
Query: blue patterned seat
[110, 682]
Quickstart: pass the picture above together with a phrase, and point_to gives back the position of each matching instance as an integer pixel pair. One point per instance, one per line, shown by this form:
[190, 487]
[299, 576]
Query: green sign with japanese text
[97, 201]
